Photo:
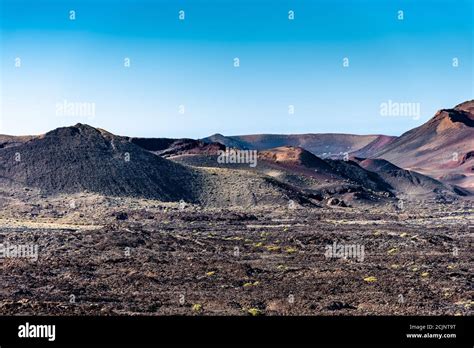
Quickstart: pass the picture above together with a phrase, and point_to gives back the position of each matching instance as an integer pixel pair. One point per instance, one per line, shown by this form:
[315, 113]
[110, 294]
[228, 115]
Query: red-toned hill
[439, 148]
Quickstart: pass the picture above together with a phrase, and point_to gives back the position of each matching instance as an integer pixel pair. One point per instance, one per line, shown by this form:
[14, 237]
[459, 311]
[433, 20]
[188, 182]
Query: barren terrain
[125, 256]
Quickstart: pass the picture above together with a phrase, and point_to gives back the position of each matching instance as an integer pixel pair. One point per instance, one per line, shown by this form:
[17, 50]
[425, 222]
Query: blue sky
[190, 63]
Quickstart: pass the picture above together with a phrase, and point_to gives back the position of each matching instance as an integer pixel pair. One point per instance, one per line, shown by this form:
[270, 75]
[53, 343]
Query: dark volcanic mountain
[83, 158]
[166, 147]
[375, 165]
[334, 172]
[407, 182]
[233, 142]
[358, 175]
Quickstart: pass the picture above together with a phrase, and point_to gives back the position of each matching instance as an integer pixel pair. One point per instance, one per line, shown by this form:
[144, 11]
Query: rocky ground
[123, 256]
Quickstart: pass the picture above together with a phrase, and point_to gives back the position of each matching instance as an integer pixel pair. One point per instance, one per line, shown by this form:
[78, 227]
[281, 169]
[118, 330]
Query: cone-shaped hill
[82, 158]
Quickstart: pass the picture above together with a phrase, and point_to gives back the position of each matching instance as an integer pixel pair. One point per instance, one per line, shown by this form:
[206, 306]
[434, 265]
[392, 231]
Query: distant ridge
[319, 144]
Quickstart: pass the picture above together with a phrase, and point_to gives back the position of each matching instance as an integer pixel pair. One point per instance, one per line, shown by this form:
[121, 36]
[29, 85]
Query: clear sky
[282, 62]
